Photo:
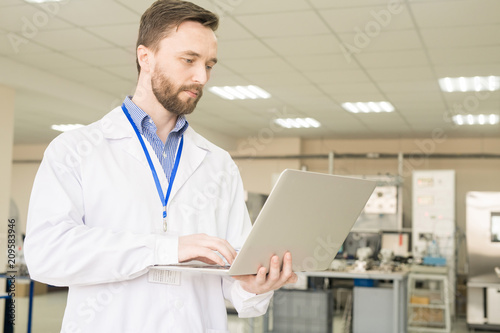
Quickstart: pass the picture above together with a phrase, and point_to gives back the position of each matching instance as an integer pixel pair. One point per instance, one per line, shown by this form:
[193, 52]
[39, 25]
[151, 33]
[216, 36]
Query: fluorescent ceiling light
[42, 1]
[297, 122]
[477, 119]
[240, 92]
[464, 84]
[66, 127]
[368, 107]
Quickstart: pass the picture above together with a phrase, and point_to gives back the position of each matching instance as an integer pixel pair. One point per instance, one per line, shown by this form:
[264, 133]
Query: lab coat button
[179, 304]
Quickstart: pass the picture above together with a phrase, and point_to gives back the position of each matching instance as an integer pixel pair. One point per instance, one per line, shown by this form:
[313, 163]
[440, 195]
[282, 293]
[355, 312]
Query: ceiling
[73, 61]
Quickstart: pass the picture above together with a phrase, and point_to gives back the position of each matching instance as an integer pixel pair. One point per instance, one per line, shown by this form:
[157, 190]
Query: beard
[168, 96]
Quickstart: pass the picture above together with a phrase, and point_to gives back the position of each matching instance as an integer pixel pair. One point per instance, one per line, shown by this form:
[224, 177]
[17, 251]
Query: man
[140, 188]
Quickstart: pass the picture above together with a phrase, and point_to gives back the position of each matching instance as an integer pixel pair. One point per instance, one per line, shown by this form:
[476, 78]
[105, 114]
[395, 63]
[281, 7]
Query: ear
[144, 57]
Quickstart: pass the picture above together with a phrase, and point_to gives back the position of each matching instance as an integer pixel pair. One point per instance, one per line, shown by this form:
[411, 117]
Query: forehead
[193, 36]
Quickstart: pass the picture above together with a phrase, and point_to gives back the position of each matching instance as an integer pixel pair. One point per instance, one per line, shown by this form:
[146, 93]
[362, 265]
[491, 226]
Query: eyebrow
[195, 54]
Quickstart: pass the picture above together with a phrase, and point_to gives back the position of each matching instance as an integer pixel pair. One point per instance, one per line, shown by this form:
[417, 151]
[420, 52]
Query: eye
[209, 67]
[189, 61]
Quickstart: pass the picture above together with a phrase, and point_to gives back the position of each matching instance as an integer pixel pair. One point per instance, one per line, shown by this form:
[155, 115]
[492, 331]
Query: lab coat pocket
[194, 219]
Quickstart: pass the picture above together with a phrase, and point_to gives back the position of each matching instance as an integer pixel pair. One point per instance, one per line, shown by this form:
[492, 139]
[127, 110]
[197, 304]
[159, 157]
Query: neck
[164, 120]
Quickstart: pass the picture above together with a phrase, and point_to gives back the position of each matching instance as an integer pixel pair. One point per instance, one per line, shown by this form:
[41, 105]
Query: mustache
[193, 87]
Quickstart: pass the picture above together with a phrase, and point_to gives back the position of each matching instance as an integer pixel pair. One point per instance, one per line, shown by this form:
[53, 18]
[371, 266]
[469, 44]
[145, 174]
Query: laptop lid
[309, 214]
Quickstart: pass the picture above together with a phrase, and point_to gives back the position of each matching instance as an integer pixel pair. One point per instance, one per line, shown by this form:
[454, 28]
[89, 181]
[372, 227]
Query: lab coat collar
[120, 128]
[194, 151]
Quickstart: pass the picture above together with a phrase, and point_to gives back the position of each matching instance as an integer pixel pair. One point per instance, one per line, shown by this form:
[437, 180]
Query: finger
[261, 277]
[293, 279]
[287, 270]
[222, 246]
[206, 261]
[207, 255]
[274, 270]
[227, 251]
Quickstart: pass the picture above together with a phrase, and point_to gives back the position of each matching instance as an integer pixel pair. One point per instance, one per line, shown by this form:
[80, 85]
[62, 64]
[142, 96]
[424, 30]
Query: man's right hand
[202, 247]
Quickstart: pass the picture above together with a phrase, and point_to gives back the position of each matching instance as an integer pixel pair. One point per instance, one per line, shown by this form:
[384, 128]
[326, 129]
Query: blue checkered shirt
[164, 152]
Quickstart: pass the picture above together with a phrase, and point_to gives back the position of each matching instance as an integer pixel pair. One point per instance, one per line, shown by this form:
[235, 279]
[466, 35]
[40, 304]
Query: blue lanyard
[163, 200]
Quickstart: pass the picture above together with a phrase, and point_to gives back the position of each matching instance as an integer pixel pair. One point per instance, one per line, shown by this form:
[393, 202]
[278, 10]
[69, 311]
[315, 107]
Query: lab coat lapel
[193, 154]
[120, 130]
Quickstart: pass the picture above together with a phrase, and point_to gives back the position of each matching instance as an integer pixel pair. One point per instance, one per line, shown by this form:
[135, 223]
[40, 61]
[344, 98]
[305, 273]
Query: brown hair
[158, 21]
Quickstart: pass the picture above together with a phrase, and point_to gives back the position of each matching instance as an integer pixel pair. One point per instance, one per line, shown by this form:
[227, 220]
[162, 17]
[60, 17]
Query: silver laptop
[309, 214]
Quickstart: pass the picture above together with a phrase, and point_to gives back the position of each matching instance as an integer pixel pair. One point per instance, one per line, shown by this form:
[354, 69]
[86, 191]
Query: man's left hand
[263, 281]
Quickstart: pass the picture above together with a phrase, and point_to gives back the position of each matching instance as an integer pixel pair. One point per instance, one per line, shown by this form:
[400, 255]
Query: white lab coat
[95, 225]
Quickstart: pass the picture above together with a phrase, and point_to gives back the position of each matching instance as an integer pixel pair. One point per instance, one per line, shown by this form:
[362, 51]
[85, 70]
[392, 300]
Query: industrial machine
[483, 247]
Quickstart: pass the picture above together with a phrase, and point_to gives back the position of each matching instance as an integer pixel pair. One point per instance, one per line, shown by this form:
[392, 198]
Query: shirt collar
[139, 117]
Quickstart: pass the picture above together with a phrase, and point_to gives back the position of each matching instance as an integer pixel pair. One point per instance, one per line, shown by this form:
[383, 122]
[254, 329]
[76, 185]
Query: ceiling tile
[386, 40]
[459, 37]
[86, 74]
[447, 70]
[416, 87]
[117, 87]
[6, 3]
[473, 55]
[370, 21]
[336, 76]
[292, 77]
[298, 91]
[258, 65]
[424, 111]
[350, 88]
[291, 48]
[96, 12]
[392, 59]
[70, 40]
[326, 62]
[229, 29]
[11, 46]
[121, 34]
[401, 74]
[315, 104]
[266, 6]
[357, 97]
[138, 6]
[304, 45]
[247, 48]
[29, 20]
[104, 57]
[465, 13]
[228, 80]
[128, 72]
[321, 4]
[48, 61]
[288, 24]
[411, 97]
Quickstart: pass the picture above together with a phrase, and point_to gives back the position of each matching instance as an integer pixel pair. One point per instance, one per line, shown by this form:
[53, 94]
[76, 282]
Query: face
[182, 66]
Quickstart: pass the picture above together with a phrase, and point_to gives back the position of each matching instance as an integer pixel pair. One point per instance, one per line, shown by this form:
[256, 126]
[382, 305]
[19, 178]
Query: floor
[48, 312]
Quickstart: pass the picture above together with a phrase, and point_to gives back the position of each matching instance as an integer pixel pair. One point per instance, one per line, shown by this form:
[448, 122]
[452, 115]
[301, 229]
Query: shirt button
[164, 155]
[150, 121]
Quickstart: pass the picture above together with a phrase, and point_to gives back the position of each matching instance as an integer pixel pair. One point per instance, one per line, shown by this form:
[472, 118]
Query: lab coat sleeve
[61, 250]
[246, 304]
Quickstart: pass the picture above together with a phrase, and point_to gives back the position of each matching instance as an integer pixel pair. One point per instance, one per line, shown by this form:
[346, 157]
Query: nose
[201, 74]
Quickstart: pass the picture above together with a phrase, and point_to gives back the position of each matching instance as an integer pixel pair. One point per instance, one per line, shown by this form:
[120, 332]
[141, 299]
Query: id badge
[172, 278]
